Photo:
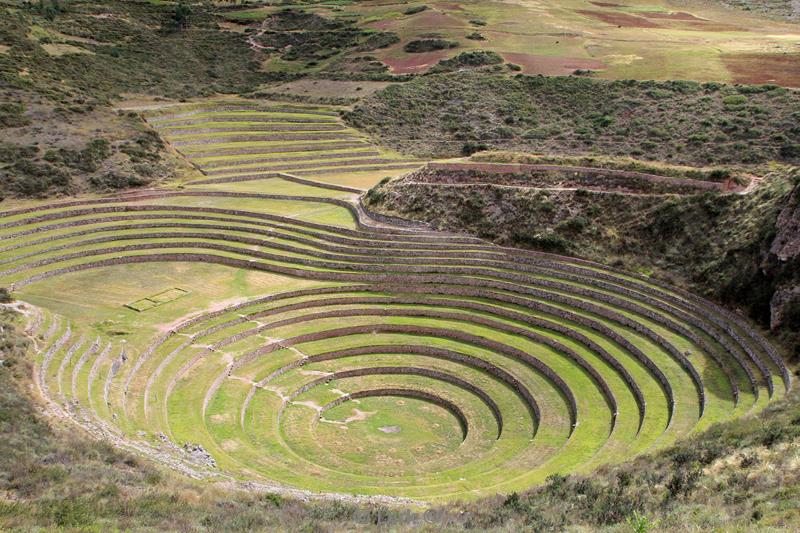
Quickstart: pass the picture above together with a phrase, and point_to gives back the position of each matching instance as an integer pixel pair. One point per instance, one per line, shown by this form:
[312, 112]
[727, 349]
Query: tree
[180, 17]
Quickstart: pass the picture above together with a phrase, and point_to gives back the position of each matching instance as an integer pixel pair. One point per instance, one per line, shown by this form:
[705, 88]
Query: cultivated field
[625, 39]
[259, 325]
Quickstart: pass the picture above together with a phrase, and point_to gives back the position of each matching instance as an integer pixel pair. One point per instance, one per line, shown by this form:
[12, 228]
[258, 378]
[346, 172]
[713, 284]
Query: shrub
[116, 180]
[473, 59]
[12, 115]
[471, 148]
[428, 45]
[5, 296]
[735, 100]
[376, 40]
[546, 242]
[414, 10]
[790, 151]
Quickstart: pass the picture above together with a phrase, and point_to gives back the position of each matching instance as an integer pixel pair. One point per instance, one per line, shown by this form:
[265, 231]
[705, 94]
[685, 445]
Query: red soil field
[619, 19]
[551, 65]
[778, 69]
[415, 62]
[435, 20]
[380, 24]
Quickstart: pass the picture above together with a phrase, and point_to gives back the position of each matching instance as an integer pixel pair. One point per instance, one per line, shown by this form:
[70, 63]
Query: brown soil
[778, 69]
[551, 65]
[415, 62]
[435, 20]
[619, 19]
[380, 24]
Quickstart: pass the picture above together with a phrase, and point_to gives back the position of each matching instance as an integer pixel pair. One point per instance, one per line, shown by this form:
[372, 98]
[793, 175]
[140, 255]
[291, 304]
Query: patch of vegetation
[12, 115]
[780, 9]
[297, 35]
[419, 46]
[140, 38]
[471, 59]
[414, 10]
[76, 143]
[376, 40]
[617, 163]
[88, 146]
[676, 122]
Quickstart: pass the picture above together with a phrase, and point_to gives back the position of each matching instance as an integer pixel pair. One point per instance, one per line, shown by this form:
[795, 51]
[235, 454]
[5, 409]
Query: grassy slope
[677, 122]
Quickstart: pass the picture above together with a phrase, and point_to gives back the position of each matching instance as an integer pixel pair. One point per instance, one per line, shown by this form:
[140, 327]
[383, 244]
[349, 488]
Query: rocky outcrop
[786, 245]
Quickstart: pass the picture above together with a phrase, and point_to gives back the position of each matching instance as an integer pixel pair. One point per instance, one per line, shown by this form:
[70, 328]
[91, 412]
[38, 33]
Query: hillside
[779, 9]
[676, 122]
[65, 65]
[627, 39]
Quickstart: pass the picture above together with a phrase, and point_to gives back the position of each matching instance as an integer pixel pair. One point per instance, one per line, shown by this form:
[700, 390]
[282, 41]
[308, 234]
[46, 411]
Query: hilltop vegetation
[92, 148]
[63, 68]
[676, 122]
[90, 50]
[781, 9]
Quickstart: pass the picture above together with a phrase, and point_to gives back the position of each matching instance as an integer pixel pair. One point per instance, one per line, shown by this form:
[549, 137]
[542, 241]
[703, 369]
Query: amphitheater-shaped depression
[349, 355]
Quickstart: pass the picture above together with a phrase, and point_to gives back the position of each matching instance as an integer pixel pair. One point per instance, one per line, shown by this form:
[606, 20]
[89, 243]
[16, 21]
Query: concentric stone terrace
[306, 345]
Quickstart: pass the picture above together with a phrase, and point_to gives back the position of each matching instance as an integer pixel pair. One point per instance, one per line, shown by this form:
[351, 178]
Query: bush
[471, 148]
[12, 115]
[472, 59]
[428, 45]
[116, 180]
[414, 10]
[5, 296]
[736, 100]
[376, 40]
[546, 242]
[790, 151]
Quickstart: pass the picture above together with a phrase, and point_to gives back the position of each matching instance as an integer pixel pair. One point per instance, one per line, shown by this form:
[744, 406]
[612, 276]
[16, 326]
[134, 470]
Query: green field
[259, 317]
